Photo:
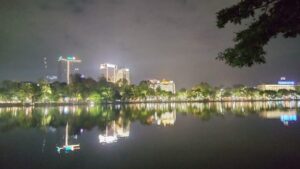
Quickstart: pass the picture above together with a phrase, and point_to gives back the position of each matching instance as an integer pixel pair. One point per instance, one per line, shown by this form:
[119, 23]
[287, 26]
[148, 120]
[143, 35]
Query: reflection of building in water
[114, 130]
[68, 109]
[166, 119]
[67, 148]
[285, 117]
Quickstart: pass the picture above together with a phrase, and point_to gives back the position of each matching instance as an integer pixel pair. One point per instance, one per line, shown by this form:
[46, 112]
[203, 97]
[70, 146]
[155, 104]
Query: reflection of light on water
[110, 134]
[46, 111]
[28, 111]
[114, 131]
[167, 118]
[107, 139]
[67, 148]
[285, 117]
[66, 110]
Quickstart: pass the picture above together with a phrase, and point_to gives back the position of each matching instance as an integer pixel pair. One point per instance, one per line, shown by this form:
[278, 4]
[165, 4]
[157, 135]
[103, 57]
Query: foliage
[270, 18]
[87, 90]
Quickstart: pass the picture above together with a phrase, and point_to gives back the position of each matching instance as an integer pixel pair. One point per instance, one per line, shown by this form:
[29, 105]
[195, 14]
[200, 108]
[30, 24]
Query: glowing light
[286, 82]
[107, 65]
[71, 58]
[107, 139]
[287, 117]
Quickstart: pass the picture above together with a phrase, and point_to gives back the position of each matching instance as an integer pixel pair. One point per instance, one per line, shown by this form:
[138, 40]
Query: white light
[111, 65]
[102, 66]
[107, 65]
[107, 139]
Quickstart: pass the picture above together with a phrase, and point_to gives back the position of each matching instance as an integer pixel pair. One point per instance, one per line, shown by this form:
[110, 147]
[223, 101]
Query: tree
[202, 91]
[94, 97]
[270, 18]
[45, 91]
[127, 92]
[59, 91]
[26, 92]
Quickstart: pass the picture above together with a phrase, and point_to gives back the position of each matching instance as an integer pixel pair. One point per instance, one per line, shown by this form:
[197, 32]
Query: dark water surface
[263, 135]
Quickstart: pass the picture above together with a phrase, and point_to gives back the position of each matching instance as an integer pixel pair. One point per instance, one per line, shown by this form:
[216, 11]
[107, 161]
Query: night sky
[172, 39]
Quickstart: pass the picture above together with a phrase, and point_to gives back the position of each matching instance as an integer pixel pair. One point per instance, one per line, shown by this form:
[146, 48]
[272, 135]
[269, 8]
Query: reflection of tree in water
[100, 116]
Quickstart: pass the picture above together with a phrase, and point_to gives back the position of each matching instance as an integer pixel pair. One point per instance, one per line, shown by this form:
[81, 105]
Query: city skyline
[177, 40]
[61, 73]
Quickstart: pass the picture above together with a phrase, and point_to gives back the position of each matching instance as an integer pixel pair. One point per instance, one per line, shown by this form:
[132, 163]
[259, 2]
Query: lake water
[264, 135]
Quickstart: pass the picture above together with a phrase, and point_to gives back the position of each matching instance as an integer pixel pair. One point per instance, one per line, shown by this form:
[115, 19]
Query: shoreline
[57, 104]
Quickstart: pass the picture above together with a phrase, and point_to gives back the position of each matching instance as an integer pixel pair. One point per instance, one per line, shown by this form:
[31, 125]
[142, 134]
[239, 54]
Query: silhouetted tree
[270, 18]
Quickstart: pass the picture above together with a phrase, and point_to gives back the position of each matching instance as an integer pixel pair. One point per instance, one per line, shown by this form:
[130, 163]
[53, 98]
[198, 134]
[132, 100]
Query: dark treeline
[88, 90]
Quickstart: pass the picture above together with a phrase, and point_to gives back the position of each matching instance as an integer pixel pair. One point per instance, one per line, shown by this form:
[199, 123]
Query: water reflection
[165, 119]
[113, 122]
[285, 117]
[67, 147]
[114, 130]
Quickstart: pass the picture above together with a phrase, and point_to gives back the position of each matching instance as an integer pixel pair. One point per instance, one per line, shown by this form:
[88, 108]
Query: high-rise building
[61, 71]
[123, 74]
[65, 68]
[113, 74]
[109, 71]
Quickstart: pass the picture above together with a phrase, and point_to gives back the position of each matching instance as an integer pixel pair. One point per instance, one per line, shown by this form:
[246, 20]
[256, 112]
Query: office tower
[109, 71]
[64, 67]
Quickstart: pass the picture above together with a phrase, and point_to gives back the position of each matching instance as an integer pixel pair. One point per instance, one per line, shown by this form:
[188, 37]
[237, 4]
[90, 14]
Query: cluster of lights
[283, 81]
[286, 82]
[107, 65]
[107, 139]
[68, 58]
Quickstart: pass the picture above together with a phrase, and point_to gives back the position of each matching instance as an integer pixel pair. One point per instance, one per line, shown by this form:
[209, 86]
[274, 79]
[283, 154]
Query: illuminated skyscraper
[64, 69]
[109, 71]
[112, 74]
[123, 74]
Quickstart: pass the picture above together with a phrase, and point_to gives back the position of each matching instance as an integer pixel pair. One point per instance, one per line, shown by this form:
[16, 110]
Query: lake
[241, 135]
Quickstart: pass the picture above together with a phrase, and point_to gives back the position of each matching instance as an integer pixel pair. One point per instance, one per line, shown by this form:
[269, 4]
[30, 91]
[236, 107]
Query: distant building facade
[109, 71]
[282, 84]
[165, 85]
[123, 74]
[112, 74]
[65, 68]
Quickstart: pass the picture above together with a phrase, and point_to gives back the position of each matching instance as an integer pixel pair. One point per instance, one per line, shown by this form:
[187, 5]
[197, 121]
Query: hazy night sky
[173, 39]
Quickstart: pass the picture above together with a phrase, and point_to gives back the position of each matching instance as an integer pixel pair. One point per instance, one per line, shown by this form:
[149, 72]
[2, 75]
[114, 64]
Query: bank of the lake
[88, 103]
